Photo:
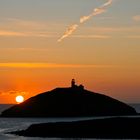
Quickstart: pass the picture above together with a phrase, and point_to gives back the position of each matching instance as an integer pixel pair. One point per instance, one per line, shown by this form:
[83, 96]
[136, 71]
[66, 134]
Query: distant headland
[73, 101]
[105, 128]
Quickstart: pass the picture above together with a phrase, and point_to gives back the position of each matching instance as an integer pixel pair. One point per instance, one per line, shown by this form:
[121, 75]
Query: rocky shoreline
[116, 127]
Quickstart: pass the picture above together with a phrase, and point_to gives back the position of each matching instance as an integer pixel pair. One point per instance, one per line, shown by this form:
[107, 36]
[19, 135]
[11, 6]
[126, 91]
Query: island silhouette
[105, 128]
[73, 101]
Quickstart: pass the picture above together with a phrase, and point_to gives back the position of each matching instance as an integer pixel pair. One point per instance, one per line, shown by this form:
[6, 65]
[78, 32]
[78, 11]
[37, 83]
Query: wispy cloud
[97, 11]
[69, 31]
[111, 32]
[101, 32]
[25, 34]
[11, 33]
[50, 65]
[24, 28]
[113, 29]
[13, 92]
[92, 36]
[136, 18]
[26, 24]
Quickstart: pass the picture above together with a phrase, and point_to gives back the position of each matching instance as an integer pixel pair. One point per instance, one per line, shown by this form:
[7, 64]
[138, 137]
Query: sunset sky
[103, 53]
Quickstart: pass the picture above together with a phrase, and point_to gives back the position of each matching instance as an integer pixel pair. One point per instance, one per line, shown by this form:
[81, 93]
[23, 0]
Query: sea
[13, 124]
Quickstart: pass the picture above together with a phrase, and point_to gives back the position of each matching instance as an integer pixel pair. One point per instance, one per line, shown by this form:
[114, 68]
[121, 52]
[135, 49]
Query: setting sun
[19, 99]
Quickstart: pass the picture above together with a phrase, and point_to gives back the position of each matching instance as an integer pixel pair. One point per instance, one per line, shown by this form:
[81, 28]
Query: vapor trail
[97, 11]
[107, 3]
[69, 31]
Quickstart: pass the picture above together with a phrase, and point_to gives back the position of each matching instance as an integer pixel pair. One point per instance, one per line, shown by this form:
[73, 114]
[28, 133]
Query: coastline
[116, 128]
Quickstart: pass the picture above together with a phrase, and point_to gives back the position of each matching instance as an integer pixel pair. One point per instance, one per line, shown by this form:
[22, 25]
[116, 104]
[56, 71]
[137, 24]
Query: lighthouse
[73, 83]
[74, 86]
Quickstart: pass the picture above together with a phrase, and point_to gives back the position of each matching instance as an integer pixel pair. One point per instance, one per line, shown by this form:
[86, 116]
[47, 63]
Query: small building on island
[73, 85]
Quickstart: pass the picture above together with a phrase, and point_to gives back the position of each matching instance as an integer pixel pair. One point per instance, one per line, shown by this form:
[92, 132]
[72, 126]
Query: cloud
[26, 24]
[68, 32]
[49, 65]
[18, 92]
[11, 27]
[92, 36]
[11, 33]
[114, 29]
[24, 49]
[100, 32]
[97, 11]
[8, 33]
[14, 92]
[136, 18]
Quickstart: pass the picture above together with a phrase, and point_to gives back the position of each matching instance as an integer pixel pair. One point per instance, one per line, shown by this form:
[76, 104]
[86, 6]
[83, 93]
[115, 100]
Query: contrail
[69, 31]
[107, 3]
[97, 11]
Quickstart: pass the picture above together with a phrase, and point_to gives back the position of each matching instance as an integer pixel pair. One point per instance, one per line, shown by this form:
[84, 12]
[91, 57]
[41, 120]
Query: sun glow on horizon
[45, 44]
[19, 99]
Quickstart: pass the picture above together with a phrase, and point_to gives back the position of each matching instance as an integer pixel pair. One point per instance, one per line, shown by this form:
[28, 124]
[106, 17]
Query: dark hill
[107, 128]
[69, 102]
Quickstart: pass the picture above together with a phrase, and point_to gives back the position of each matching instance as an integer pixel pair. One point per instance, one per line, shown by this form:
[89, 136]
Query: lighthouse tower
[74, 86]
[73, 83]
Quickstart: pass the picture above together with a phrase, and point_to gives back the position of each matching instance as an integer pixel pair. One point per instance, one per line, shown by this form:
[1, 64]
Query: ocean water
[13, 124]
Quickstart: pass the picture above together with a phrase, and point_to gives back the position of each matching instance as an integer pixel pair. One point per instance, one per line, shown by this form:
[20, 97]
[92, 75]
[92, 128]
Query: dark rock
[69, 102]
[109, 128]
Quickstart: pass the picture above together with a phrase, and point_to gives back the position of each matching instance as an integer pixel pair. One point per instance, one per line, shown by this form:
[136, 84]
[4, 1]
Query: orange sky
[103, 53]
